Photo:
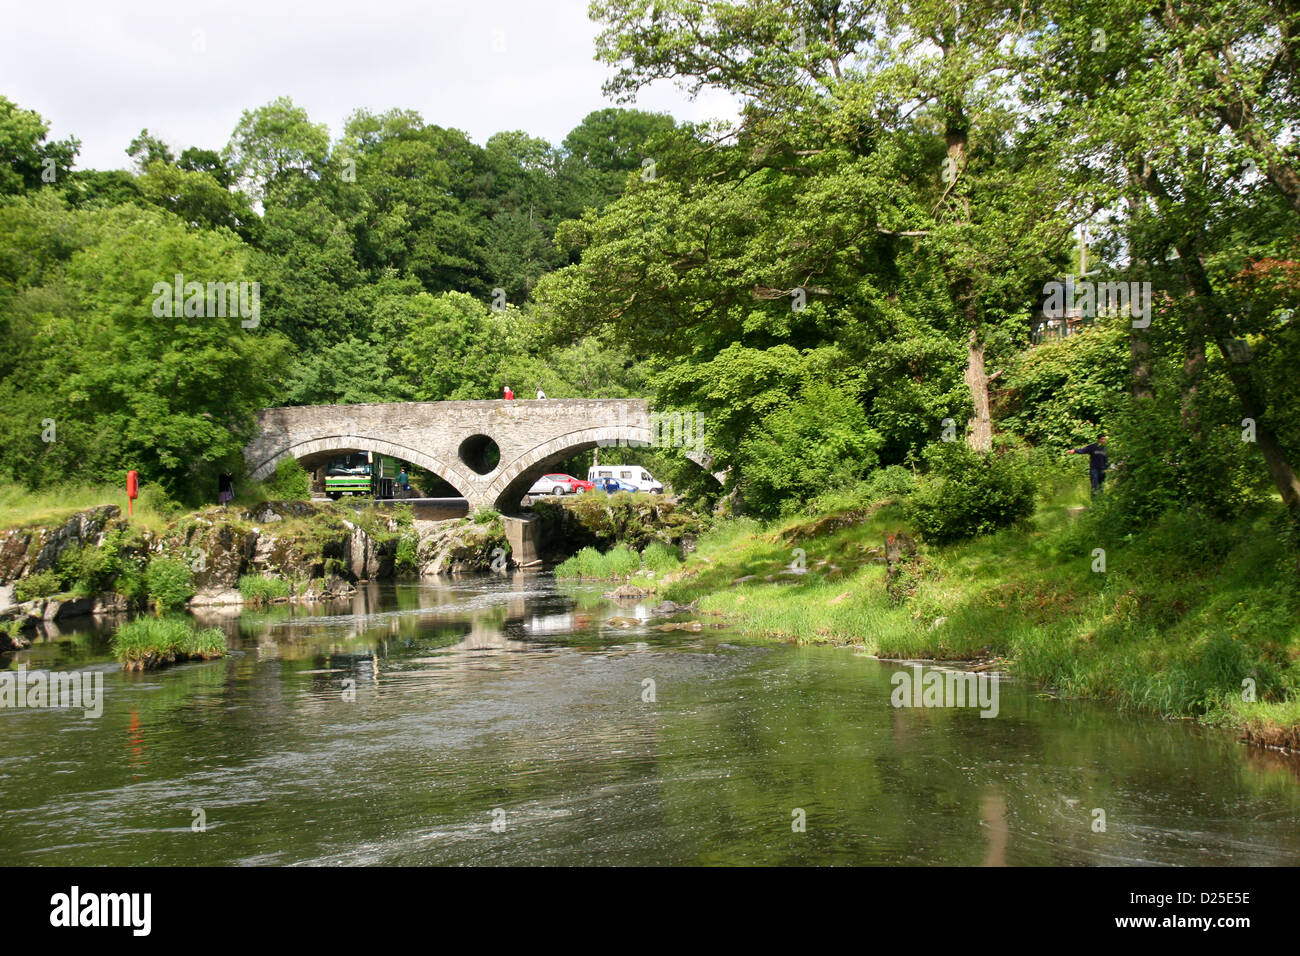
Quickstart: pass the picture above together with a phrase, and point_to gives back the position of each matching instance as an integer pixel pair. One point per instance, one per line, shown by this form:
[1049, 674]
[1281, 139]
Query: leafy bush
[821, 441]
[130, 584]
[291, 482]
[39, 585]
[968, 493]
[1160, 464]
[1062, 389]
[895, 481]
[257, 589]
[168, 583]
[155, 503]
[485, 515]
[88, 570]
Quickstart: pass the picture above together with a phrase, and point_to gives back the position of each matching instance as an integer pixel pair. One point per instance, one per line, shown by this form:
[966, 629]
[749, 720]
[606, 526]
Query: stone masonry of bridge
[446, 438]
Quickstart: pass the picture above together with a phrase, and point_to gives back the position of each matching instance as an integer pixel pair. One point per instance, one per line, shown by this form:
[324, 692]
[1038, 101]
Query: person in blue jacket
[1097, 461]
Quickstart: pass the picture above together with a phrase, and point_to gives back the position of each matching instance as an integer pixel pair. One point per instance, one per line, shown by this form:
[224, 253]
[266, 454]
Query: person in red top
[508, 393]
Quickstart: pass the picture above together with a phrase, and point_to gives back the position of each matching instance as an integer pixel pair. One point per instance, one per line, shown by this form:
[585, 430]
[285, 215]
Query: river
[506, 720]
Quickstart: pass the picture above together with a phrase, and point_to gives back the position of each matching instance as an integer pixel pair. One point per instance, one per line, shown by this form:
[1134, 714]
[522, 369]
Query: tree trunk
[1213, 320]
[980, 429]
[1139, 348]
[1193, 371]
[1211, 316]
[1279, 467]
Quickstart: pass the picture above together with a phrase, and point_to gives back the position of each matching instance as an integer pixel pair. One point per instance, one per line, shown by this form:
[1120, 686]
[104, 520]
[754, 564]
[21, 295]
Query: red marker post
[132, 490]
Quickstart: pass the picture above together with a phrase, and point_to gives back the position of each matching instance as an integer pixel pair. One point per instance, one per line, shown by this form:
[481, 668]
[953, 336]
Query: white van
[633, 475]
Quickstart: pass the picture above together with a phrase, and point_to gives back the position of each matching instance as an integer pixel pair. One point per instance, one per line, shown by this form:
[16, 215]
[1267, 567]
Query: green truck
[362, 474]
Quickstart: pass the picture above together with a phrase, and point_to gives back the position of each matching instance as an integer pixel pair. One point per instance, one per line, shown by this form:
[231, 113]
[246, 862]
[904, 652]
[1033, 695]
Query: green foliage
[620, 561]
[260, 589]
[26, 159]
[290, 482]
[893, 481]
[820, 441]
[38, 585]
[1161, 464]
[405, 559]
[168, 583]
[1060, 391]
[660, 557]
[485, 515]
[89, 570]
[171, 396]
[151, 641]
[967, 493]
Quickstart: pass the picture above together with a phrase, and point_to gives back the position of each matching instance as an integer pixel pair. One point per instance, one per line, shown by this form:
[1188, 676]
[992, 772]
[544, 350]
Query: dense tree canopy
[853, 271]
[392, 264]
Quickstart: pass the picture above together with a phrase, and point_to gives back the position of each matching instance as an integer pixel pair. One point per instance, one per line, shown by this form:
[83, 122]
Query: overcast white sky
[104, 70]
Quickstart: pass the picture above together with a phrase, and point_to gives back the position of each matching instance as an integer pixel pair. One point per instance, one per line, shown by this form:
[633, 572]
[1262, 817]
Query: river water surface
[505, 720]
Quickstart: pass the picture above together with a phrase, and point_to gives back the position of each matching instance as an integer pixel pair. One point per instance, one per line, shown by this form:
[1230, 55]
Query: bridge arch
[510, 482]
[452, 439]
[343, 444]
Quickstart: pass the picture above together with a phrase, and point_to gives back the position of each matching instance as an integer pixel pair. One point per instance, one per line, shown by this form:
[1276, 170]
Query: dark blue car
[611, 485]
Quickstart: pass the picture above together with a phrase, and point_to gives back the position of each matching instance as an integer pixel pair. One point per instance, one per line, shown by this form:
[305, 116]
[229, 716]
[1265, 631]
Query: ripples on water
[506, 701]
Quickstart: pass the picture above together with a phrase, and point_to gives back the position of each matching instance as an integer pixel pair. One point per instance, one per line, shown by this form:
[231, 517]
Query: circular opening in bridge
[480, 453]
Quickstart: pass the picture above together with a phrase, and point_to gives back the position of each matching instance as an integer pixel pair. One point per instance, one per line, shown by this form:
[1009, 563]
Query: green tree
[275, 142]
[27, 160]
[124, 382]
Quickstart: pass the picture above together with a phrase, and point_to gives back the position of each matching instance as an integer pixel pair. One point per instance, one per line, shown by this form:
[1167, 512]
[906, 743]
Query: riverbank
[95, 561]
[1192, 618]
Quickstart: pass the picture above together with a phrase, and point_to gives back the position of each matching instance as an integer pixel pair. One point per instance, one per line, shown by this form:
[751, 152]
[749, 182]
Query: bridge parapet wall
[531, 436]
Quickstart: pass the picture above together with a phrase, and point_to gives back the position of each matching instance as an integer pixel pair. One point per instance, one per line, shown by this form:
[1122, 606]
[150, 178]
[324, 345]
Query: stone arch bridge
[454, 440]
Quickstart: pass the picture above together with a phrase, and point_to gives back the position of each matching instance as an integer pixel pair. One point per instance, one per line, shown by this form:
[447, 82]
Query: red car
[559, 484]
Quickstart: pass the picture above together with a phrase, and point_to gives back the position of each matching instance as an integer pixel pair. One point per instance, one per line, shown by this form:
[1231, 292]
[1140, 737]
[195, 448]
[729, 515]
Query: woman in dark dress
[225, 488]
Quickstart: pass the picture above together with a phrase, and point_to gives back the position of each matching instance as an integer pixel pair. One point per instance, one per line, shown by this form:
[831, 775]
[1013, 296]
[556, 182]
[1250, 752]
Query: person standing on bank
[1097, 461]
[225, 488]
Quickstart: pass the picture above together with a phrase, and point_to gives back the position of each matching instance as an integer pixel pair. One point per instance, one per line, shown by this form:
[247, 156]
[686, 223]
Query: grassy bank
[618, 562]
[24, 508]
[1190, 618]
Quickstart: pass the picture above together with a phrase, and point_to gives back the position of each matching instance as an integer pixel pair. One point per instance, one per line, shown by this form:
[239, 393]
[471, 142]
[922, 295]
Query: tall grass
[149, 642]
[24, 508]
[257, 589]
[618, 562]
[660, 557]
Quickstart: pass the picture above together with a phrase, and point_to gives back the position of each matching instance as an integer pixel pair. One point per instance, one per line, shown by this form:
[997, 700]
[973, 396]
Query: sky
[186, 71]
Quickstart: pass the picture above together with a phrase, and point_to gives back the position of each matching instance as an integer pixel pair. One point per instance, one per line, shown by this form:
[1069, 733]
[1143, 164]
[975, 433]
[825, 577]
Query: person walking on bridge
[509, 394]
[1097, 462]
[541, 394]
[404, 482]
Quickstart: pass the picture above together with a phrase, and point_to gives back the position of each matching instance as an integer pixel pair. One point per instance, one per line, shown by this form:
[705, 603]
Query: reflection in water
[993, 814]
[387, 728]
[135, 742]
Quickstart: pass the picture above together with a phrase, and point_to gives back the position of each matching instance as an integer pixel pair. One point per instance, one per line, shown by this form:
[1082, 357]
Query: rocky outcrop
[26, 551]
[320, 550]
[458, 546]
[602, 521]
